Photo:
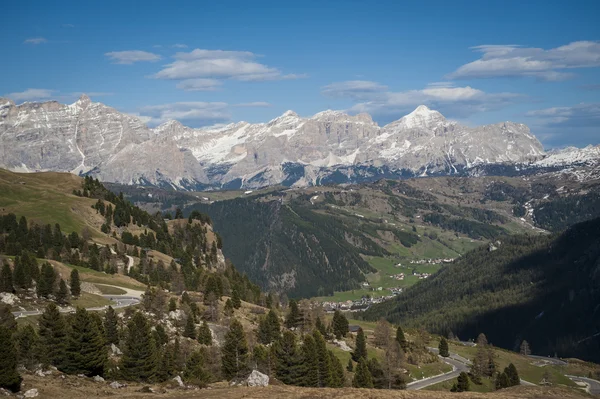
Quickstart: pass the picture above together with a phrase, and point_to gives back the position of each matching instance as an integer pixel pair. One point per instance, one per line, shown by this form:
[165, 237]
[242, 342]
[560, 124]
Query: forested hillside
[544, 289]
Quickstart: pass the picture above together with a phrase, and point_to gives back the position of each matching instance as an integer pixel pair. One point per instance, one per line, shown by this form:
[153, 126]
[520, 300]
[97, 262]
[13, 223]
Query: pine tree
[288, 360]
[27, 342]
[320, 326]
[9, 376]
[111, 327]
[45, 285]
[86, 351]
[160, 336]
[75, 283]
[340, 325]
[462, 383]
[140, 358]
[22, 272]
[337, 371]
[401, 339]
[350, 366]
[7, 319]
[166, 366]
[195, 372]
[443, 348]
[204, 334]
[525, 349]
[234, 353]
[360, 347]
[228, 308]
[62, 296]
[53, 336]
[172, 305]
[502, 381]
[310, 362]
[6, 279]
[235, 299]
[513, 375]
[362, 376]
[293, 318]
[261, 359]
[190, 328]
[269, 328]
[325, 375]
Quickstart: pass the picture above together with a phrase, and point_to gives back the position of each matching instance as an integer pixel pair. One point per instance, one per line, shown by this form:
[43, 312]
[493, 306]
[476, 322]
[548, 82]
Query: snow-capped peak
[84, 100]
[289, 112]
[422, 116]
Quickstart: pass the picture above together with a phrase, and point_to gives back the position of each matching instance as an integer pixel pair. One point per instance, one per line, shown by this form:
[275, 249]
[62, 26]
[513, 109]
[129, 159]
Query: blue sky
[534, 62]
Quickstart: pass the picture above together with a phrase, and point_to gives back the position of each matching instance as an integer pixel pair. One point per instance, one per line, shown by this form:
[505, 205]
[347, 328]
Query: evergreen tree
[401, 339]
[204, 334]
[140, 358]
[6, 279]
[288, 360]
[462, 383]
[362, 376]
[27, 342]
[325, 375]
[377, 373]
[320, 327]
[9, 376]
[22, 272]
[235, 299]
[310, 361]
[340, 325]
[111, 329]
[261, 359]
[62, 296]
[234, 353]
[190, 328]
[337, 371]
[502, 381]
[160, 336]
[443, 348]
[195, 372]
[513, 375]
[350, 366]
[360, 347]
[269, 328]
[53, 336]
[86, 352]
[166, 367]
[75, 283]
[293, 318]
[7, 319]
[525, 349]
[45, 285]
[228, 308]
[172, 305]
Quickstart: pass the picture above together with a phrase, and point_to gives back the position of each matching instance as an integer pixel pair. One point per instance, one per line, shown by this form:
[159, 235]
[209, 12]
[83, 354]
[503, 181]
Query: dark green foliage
[228, 308]
[462, 383]
[504, 291]
[350, 366]
[261, 357]
[45, 286]
[160, 336]
[360, 346]
[401, 339]
[324, 369]
[310, 362]
[562, 212]
[189, 330]
[9, 376]
[53, 337]
[293, 318]
[473, 229]
[6, 281]
[27, 340]
[339, 324]
[6, 317]
[338, 377]
[235, 299]
[140, 357]
[166, 365]
[513, 375]
[172, 305]
[288, 360]
[443, 348]
[502, 381]
[362, 376]
[86, 351]
[62, 295]
[111, 327]
[75, 283]
[195, 372]
[320, 327]
[377, 374]
[269, 328]
[204, 334]
[234, 353]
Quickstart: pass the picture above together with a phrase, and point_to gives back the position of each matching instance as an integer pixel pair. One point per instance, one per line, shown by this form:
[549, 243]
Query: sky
[206, 63]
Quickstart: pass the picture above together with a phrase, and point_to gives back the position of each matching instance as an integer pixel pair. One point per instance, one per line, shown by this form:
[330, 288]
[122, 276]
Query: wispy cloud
[517, 61]
[259, 104]
[579, 115]
[36, 40]
[179, 45]
[132, 56]
[199, 84]
[376, 99]
[31, 95]
[219, 65]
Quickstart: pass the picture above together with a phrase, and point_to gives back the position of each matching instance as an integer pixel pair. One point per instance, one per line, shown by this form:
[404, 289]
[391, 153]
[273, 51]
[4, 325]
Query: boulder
[97, 378]
[32, 393]
[179, 381]
[114, 350]
[257, 379]
[342, 345]
[116, 385]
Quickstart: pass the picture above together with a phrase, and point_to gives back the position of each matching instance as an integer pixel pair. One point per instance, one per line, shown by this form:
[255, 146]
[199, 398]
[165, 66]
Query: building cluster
[431, 261]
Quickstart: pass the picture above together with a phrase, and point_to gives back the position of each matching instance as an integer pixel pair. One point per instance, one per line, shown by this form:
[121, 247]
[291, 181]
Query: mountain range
[330, 147]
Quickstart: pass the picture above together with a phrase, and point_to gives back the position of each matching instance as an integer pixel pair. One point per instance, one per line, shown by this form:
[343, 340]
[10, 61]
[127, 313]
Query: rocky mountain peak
[6, 102]
[84, 101]
[422, 116]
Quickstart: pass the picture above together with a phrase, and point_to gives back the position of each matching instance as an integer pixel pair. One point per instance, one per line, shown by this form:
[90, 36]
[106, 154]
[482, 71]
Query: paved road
[129, 263]
[458, 363]
[593, 385]
[551, 360]
[130, 298]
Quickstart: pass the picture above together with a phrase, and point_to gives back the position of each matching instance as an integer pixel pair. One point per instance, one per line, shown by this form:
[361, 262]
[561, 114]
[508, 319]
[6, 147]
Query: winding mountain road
[593, 386]
[457, 367]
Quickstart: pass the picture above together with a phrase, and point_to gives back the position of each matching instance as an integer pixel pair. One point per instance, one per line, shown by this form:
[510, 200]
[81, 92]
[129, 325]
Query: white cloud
[579, 115]
[36, 40]
[179, 45]
[199, 84]
[513, 60]
[259, 104]
[198, 113]
[31, 94]
[131, 56]
[375, 99]
[188, 67]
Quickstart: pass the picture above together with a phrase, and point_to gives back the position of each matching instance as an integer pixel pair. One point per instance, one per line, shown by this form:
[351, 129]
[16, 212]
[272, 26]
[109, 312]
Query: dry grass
[72, 387]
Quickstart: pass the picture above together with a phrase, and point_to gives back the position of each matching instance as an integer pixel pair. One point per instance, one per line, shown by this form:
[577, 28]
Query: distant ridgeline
[544, 289]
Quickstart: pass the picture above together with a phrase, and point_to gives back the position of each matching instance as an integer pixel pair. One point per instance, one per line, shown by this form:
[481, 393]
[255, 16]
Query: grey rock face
[87, 137]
